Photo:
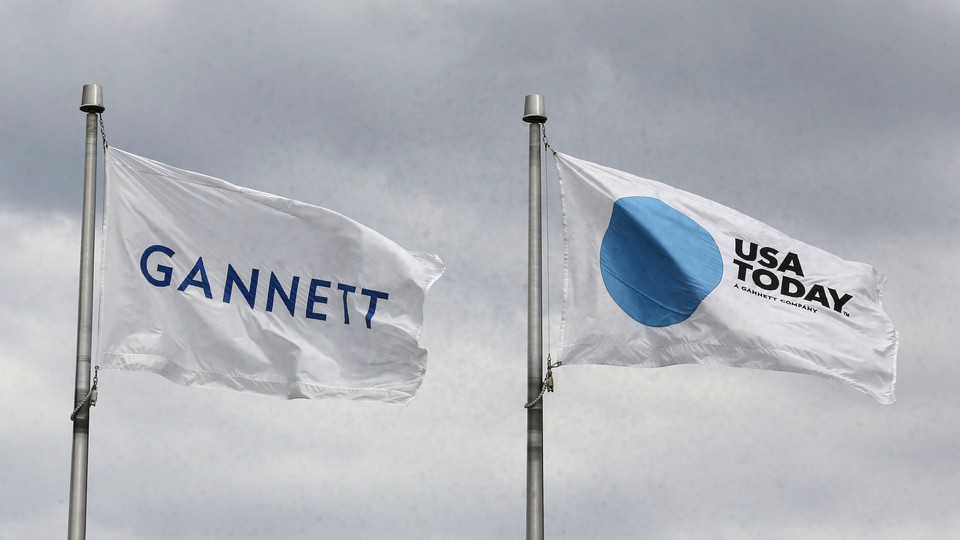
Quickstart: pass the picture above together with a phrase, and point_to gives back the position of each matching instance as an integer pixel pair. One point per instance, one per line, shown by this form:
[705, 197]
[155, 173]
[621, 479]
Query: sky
[835, 122]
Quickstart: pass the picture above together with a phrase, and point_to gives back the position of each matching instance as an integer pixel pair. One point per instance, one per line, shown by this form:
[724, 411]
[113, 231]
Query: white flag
[210, 284]
[656, 276]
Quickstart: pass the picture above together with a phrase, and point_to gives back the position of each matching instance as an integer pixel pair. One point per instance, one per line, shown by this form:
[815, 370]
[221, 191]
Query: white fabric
[738, 323]
[198, 328]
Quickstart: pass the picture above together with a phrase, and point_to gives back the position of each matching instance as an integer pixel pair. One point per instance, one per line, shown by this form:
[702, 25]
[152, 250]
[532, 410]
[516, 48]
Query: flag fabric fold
[655, 276]
[215, 285]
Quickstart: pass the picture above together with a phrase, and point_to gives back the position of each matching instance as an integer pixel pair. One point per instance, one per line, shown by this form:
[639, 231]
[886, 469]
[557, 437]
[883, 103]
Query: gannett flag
[656, 276]
[211, 284]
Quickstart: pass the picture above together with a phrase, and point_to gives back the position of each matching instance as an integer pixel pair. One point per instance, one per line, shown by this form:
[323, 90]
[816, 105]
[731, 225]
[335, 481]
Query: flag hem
[176, 373]
[631, 353]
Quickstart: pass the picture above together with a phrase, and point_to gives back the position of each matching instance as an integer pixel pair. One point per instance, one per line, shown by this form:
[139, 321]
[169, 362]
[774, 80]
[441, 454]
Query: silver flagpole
[533, 113]
[92, 104]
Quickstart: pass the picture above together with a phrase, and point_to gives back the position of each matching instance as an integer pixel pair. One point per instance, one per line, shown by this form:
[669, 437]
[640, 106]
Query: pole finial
[533, 111]
[92, 100]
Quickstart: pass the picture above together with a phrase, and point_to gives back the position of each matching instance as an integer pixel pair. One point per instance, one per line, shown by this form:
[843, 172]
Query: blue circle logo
[657, 264]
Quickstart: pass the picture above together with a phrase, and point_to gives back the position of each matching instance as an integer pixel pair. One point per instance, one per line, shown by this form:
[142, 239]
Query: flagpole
[91, 103]
[534, 114]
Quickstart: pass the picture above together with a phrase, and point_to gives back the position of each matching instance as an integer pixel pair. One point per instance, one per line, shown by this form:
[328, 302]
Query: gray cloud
[835, 122]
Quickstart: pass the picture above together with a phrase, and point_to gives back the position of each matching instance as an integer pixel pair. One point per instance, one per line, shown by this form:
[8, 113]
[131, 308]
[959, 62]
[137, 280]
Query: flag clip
[547, 385]
[91, 396]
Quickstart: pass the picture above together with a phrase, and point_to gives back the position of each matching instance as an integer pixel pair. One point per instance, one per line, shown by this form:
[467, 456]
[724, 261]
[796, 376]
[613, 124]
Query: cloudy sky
[836, 122]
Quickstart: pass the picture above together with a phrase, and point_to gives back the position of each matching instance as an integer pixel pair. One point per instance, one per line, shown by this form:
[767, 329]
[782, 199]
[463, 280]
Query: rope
[91, 396]
[546, 229]
[103, 134]
[547, 384]
[546, 141]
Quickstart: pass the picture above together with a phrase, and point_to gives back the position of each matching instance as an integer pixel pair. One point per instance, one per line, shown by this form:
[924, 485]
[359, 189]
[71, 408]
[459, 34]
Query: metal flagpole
[92, 104]
[533, 113]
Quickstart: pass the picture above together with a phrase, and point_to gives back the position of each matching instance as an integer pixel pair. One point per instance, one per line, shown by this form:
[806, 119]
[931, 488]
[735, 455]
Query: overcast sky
[835, 122]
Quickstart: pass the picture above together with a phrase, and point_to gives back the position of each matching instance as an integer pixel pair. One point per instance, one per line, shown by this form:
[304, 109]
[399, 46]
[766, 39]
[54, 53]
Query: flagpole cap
[92, 99]
[533, 111]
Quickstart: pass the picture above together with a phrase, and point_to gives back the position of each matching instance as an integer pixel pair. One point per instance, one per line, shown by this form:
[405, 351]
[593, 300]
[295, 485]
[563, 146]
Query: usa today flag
[656, 276]
[214, 285]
